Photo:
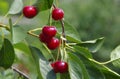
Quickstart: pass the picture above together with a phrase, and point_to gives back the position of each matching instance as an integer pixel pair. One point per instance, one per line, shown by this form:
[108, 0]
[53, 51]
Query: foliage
[32, 59]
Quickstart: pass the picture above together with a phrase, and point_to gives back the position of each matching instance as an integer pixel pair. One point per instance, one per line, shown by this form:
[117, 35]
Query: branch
[19, 72]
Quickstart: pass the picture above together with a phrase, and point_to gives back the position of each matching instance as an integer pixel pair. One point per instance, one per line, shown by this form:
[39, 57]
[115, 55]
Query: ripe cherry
[44, 38]
[60, 67]
[57, 14]
[49, 31]
[30, 11]
[53, 43]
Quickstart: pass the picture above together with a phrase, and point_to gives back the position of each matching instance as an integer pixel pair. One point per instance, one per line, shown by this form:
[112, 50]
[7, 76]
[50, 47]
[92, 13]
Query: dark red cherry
[57, 14]
[44, 38]
[49, 31]
[60, 67]
[53, 43]
[30, 11]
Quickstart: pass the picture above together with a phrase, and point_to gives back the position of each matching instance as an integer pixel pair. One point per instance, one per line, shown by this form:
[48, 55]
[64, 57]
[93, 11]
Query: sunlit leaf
[7, 54]
[115, 57]
[3, 7]
[93, 45]
[16, 7]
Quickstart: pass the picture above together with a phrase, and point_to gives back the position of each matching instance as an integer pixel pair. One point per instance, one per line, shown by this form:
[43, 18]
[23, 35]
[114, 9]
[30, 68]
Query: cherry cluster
[48, 34]
[47, 37]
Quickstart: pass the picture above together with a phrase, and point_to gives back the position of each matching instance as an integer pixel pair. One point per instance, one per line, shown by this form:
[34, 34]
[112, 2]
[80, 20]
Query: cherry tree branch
[20, 73]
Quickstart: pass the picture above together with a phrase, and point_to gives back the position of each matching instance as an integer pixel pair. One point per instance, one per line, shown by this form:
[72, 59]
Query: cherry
[30, 11]
[44, 38]
[57, 14]
[60, 67]
[53, 43]
[49, 31]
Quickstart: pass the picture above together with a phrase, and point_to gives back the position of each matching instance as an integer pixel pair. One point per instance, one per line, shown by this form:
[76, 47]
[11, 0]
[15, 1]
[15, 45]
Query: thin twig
[63, 29]
[31, 32]
[21, 73]
[21, 16]
[54, 6]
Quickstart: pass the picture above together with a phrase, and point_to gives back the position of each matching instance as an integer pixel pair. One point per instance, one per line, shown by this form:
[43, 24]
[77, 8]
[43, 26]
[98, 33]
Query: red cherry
[57, 14]
[49, 31]
[30, 11]
[44, 38]
[60, 67]
[53, 43]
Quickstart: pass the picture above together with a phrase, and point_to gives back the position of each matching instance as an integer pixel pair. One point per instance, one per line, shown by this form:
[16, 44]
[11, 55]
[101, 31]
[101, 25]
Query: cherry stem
[20, 73]
[4, 26]
[18, 19]
[63, 39]
[63, 29]
[54, 6]
[31, 32]
[50, 19]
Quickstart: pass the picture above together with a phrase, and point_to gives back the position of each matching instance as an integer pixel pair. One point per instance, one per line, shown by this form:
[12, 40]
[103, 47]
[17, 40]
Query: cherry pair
[48, 37]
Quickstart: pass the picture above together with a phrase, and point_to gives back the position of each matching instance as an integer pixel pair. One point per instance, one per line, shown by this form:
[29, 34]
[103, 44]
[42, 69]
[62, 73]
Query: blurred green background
[92, 19]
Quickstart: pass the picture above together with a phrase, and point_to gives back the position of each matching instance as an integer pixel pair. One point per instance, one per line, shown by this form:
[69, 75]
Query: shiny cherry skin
[49, 31]
[44, 38]
[57, 14]
[60, 67]
[53, 43]
[30, 11]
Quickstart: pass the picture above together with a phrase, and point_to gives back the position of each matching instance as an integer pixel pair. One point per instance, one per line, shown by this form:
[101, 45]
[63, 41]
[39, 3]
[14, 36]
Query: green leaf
[109, 75]
[4, 5]
[115, 56]
[94, 72]
[19, 34]
[83, 51]
[7, 54]
[77, 69]
[105, 69]
[45, 70]
[1, 40]
[65, 76]
[16, 7]
[43, 4]
[22, 46]
[71, 33]
[83, 54]
[93, 45]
